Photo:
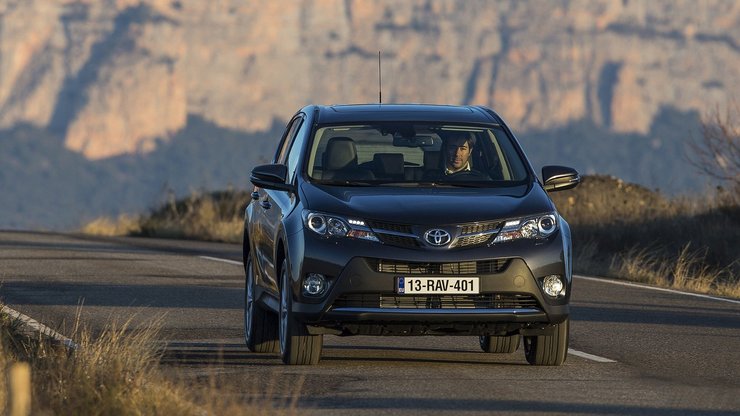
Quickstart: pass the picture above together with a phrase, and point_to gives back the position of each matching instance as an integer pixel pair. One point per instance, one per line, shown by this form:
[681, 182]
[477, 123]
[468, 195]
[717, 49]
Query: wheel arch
[246, 248]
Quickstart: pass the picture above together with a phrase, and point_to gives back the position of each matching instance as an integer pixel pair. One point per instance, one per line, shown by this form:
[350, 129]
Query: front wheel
[297, 346]
[505, 344]
[260, 325]
[548, 349]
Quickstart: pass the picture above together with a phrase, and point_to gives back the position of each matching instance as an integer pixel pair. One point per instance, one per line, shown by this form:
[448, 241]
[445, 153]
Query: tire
[498, 345]
[297, 346]
[548, 349]
[260, 325]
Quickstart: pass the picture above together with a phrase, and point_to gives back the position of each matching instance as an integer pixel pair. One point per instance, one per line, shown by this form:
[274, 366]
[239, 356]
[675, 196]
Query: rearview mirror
[271, 177]
[559, 178]
[414, 141]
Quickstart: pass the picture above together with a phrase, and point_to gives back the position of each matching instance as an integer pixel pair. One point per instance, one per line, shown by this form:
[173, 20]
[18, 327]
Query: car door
[271, 206]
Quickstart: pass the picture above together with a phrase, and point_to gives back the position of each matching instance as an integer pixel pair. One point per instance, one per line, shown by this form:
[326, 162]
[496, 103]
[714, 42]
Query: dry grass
[688, 270]
[115, 372]
[627, 231]
[217, 216]
[123, 225]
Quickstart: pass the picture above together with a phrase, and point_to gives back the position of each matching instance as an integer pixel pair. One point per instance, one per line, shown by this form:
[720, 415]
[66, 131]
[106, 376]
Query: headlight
[328, 225]
[541, 226]
[317, 223]
[337, 227]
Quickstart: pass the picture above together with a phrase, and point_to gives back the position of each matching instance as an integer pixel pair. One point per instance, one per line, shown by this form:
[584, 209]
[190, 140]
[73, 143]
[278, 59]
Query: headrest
[389, 163]
[340, 153]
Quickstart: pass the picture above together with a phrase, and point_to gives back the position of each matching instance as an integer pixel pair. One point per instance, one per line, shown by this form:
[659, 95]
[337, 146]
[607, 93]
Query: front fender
[567, 249]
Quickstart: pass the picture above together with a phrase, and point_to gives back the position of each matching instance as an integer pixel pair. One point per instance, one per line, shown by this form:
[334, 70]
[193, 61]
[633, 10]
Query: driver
[458, 147]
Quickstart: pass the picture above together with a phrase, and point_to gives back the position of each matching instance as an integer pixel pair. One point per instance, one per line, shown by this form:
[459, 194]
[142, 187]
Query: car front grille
[472, 240]
[430, 269]
[387, 226]
[409, 236]
[393, 301]
[479, 227]
[398, 240]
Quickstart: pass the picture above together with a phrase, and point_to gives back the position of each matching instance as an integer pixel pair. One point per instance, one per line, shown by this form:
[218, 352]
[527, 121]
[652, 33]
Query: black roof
[403, 112]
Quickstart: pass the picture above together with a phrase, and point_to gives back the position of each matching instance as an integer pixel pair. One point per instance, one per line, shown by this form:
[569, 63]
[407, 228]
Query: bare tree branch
[717, 152]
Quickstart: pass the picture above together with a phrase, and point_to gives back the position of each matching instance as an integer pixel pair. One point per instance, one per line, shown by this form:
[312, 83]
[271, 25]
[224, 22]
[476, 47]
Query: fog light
[553, 285]
[314, 284]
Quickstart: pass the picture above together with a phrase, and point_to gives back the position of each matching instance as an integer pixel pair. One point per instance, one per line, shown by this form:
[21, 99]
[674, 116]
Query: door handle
[255, 195]
[266, 204]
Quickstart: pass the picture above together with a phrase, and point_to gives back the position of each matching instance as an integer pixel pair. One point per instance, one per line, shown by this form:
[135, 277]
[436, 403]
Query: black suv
[405, 220]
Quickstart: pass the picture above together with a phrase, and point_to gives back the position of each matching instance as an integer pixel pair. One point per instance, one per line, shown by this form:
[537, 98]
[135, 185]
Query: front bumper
[361, 294]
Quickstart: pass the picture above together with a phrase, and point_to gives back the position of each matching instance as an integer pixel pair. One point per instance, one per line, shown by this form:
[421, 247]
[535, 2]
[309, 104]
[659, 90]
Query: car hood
[431, 206]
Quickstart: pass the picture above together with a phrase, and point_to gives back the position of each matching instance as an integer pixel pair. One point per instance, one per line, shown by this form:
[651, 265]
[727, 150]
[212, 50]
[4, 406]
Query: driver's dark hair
[452, 135]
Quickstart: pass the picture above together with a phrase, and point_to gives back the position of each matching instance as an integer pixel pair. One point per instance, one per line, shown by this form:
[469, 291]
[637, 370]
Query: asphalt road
[635, 350]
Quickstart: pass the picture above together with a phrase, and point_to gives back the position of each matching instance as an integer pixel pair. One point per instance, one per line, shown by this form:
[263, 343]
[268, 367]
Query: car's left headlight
[535, 227]
[329, 225]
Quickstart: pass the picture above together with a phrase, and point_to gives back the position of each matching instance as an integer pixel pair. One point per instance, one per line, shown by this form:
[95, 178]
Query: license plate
[436, 285]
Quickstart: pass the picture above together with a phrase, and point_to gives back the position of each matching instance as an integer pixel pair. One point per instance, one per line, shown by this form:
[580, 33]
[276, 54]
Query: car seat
[340, 161]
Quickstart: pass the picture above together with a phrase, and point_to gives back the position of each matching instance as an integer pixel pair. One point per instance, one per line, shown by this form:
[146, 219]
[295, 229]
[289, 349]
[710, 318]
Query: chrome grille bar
[392, 301]
[453, 268]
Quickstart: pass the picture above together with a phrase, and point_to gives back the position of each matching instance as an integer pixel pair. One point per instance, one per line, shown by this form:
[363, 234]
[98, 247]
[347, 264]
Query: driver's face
[458, 153]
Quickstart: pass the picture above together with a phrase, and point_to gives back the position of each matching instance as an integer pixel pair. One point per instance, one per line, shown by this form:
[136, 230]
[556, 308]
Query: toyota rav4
[405, 220]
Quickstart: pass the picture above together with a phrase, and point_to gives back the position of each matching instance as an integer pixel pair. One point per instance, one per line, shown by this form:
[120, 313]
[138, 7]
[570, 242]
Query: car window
[287, 139]
[404, 153]
[295, 150]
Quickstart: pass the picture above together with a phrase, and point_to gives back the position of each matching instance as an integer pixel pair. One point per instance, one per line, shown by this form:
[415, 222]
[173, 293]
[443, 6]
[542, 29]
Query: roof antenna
[380, 83]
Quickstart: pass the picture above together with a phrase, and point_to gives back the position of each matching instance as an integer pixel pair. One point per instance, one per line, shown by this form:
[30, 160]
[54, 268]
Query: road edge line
[39, 328]
[660, 289]
[588, 356]
[234, 262]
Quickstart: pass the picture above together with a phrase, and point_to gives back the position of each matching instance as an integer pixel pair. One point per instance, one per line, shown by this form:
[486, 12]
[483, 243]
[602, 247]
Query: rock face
[112, 76]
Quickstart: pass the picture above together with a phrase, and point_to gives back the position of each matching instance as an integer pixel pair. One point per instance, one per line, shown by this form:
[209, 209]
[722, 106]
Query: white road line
[238, 263]
[659, 289]
[38, 327]
[588, 356]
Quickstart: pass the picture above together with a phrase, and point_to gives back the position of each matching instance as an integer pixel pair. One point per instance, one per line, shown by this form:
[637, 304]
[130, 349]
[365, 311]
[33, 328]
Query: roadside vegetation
[623, 230]
[116, 372]
[214, 216]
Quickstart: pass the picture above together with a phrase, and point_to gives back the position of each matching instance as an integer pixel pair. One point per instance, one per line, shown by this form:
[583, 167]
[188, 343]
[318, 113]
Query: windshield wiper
[395, 183]
[462, 184]
[346, 183]
[434, 184]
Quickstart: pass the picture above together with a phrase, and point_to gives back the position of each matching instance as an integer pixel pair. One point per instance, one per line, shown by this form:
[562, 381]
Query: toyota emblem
[437, 237]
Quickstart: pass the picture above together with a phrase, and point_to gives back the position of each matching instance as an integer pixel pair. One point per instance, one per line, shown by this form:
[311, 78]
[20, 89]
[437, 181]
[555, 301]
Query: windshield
[406, 154]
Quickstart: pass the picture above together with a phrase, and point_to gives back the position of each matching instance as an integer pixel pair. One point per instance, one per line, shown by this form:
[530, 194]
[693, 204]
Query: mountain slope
[110, 77]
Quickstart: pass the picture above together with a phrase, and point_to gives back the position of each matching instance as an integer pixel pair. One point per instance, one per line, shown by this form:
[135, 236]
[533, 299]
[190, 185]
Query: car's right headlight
[536, 227]
[328, 225]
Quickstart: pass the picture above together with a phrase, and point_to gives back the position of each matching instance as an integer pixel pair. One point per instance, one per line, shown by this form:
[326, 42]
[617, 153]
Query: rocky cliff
[113, 76]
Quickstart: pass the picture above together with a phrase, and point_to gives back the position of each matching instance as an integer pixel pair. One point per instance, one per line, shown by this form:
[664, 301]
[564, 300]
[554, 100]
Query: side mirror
[271, 177]
[559, 178]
